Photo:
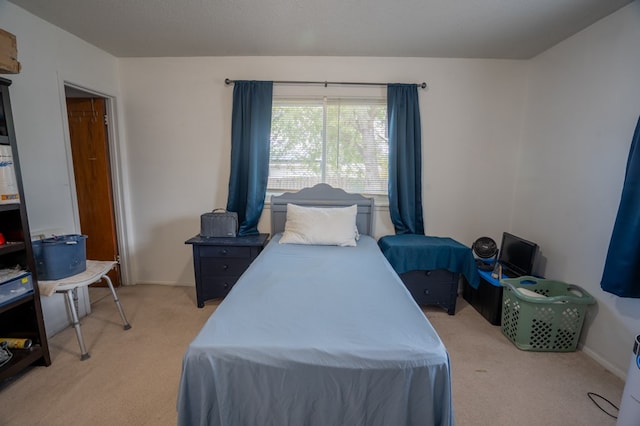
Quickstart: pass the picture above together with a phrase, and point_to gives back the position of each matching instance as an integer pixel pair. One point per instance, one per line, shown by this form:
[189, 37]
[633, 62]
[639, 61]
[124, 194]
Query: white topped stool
[96, 271]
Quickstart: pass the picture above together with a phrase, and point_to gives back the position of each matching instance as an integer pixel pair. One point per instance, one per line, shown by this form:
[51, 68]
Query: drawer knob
[223, 251]
[426, 291]
[225, 267]
[226, 285]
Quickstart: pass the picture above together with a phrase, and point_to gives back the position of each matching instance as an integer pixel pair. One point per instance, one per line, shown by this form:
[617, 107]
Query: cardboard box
[8, 53]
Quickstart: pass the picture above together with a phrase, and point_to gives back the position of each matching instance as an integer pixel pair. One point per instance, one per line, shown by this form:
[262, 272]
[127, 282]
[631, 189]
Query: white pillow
[334, 226]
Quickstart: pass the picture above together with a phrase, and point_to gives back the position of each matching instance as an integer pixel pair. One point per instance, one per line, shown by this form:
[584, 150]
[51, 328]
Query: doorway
[89, 139]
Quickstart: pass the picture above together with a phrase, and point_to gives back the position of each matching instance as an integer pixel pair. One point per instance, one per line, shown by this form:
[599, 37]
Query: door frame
[117, 170]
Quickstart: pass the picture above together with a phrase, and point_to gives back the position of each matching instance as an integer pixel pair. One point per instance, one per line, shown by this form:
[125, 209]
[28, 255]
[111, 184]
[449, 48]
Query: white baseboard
[169, 283]
[604, 363]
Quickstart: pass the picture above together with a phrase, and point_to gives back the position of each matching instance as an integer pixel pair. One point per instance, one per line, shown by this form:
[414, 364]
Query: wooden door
[92, 170]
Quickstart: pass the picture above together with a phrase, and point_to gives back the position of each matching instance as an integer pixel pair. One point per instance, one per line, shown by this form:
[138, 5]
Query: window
[341, 142]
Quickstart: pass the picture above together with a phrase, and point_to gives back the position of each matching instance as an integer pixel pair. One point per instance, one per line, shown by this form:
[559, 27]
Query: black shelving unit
[21, 317]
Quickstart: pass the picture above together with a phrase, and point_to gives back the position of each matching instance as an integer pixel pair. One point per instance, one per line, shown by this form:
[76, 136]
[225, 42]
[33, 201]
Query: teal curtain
[250, 135]
[621, 274]
[405, 159]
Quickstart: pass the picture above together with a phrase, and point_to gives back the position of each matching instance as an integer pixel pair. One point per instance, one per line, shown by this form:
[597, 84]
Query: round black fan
[484, 248]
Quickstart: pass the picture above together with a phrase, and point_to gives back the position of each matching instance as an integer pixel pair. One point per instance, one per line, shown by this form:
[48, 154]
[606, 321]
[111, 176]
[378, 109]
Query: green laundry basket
[549, 319]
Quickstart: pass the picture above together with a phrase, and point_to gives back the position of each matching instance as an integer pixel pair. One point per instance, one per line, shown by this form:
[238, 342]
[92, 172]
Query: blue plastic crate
[60, 257]
[15, 288]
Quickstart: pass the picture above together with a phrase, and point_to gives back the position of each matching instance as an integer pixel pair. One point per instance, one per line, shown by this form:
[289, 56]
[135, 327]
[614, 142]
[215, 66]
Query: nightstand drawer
[218, 286]
[216, 267]
[225, 251]
[433, 276]
[428, 293]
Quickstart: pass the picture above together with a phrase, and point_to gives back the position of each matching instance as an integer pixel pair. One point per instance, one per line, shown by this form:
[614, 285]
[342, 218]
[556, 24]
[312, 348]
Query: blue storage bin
[15, 288]
[60, 257]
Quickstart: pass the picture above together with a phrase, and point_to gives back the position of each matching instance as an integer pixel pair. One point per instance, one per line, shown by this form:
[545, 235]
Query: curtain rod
[422, 85]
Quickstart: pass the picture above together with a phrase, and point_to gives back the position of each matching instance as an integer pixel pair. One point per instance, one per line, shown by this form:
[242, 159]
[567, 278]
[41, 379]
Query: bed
[317, 335]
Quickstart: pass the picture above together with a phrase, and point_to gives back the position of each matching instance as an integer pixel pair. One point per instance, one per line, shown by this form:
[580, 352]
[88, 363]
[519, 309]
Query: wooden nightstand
[219, 262]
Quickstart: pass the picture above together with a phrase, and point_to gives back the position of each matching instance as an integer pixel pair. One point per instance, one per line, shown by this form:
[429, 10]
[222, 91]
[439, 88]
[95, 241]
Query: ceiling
[510, 29]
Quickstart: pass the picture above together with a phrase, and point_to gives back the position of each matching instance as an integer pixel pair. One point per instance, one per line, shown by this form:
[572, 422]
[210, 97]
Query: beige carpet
[132, 376]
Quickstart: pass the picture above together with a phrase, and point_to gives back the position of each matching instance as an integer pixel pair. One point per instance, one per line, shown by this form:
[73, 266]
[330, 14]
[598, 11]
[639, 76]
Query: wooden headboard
[322, 195]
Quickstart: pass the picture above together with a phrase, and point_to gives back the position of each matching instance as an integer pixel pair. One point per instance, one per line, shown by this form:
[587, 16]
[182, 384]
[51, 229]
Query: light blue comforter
[317, 335]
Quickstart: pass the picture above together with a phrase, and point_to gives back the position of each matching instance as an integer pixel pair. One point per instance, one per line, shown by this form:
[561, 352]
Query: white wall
[179, 130]
[49, 56]
[582, 106]
[574, 107]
